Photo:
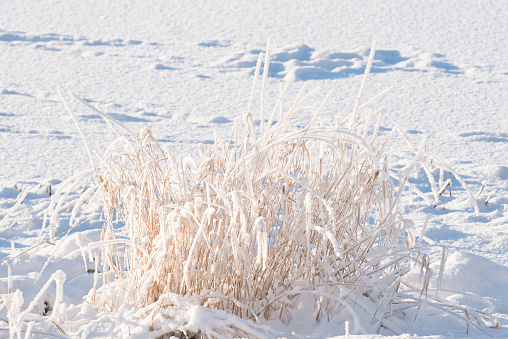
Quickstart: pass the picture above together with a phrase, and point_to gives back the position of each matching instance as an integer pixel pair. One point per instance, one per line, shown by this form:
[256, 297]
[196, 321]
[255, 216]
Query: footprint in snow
[9, 92]
[219, 120]
[305, 63]
[214, 43]
[162, 67]
[55, 42]
[58, 135]
[117, 116]
[485, 136]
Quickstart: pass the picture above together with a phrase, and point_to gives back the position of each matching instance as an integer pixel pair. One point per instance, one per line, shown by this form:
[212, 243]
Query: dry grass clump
[261, 222]
[295, 209]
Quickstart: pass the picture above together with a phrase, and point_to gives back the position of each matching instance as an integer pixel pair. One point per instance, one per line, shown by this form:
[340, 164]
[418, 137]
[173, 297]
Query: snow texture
[184, 70]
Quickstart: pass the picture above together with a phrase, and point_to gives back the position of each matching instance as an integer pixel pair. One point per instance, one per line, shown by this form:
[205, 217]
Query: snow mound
[471, 273]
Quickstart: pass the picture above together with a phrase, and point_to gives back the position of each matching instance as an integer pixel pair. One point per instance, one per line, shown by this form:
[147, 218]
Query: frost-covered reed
[282, 213]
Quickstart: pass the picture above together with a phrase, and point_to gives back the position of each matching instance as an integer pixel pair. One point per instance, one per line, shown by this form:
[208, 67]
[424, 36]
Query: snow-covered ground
[184, 70]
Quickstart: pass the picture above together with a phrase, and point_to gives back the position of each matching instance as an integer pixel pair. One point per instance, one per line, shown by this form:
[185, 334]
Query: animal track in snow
[161, 67]
[214, 43]
[10, 92]
[53, 42]
[117, 116]
[306, 63]
[485, 136]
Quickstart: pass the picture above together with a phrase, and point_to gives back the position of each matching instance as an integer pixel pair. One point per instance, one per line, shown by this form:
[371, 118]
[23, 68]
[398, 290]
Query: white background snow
[184, 69]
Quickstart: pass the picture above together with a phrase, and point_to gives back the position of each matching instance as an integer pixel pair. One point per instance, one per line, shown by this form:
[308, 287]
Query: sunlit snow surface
[184, 70]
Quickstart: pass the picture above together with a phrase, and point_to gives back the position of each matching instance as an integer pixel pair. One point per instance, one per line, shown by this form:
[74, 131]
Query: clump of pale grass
[261, 222]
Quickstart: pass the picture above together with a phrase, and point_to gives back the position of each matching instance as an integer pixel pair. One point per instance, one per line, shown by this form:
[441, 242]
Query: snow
[184, 70]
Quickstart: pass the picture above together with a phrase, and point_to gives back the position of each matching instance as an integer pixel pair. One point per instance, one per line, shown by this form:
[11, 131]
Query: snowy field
[185, 70]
